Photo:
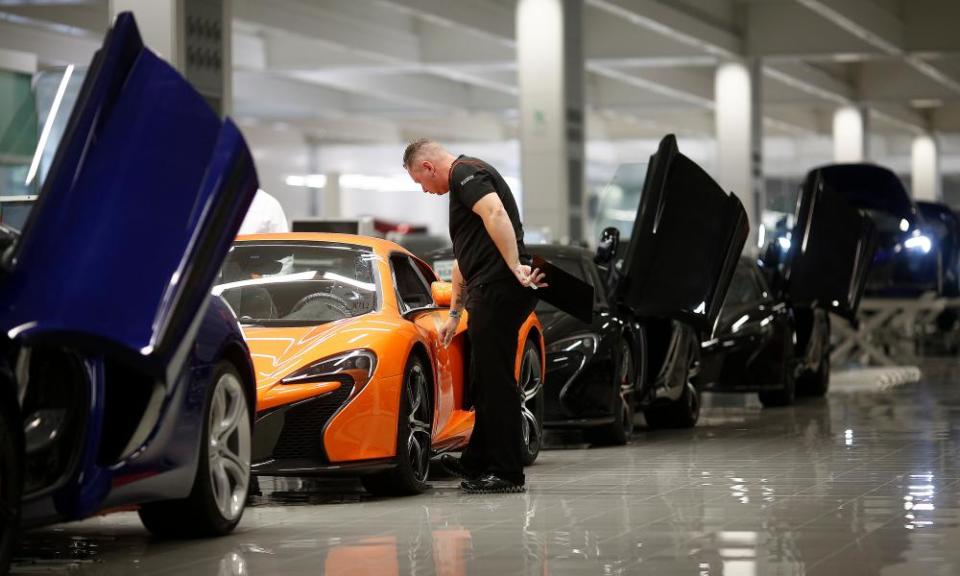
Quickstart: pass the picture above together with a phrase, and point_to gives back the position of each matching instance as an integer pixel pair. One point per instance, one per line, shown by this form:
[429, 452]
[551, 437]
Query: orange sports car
[351, 375]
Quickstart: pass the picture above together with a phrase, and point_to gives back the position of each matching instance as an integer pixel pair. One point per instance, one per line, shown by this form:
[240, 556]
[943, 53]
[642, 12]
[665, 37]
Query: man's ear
[426, 165]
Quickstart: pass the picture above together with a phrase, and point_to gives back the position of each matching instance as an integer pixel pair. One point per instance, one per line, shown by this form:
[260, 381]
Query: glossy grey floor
[859, 483]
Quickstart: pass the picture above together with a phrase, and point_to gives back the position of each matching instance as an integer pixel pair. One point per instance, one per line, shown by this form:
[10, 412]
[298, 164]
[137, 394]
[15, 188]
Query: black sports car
[773, 333]
[764, 345]
[907, 260]
[651, 302]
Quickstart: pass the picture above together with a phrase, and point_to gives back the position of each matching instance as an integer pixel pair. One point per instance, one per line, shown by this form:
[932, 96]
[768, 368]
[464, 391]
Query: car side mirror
[607, 248]
[442, 293]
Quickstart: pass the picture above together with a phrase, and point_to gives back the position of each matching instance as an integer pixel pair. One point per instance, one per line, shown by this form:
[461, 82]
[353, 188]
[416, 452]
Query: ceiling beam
[495, 21]
[50, 46]
[673, 23]
[329, 27]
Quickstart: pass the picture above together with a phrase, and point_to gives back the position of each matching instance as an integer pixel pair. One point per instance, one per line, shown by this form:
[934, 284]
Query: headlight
[585, 344]
[918, 242]
[349, 368]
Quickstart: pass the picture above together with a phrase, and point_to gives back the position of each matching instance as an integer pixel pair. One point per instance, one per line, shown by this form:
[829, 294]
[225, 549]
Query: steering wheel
[334, 301]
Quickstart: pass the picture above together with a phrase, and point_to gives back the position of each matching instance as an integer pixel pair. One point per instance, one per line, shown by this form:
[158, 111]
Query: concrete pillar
[330, 203]
[925, 173]
[850, 134]
[740, 137]
[551, 75]
[194, 36]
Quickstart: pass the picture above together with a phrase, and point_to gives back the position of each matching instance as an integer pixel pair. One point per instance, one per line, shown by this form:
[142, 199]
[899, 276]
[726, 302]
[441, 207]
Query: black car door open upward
[831, 248]
[686, 239]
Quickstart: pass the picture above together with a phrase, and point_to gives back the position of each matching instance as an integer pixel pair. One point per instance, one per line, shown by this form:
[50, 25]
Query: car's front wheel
[619, 431]
[784, 394]
[414, 437]
[219, 493]
[531, 402]
[684, 413]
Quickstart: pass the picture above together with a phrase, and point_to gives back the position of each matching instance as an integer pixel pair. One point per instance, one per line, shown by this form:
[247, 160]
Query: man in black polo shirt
[488, 245]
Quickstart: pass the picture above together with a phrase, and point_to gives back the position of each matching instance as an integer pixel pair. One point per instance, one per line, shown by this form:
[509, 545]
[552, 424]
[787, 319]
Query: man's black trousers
[497, 310]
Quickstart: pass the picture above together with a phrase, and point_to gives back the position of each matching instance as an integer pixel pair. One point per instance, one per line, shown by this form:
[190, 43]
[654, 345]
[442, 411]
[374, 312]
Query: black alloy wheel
[619, 431]
[817, 383]
[531, 401]
[786, 393]
[414, 437]
[685, 411]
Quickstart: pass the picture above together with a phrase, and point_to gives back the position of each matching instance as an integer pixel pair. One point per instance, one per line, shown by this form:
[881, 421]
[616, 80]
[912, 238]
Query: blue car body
[106, 316]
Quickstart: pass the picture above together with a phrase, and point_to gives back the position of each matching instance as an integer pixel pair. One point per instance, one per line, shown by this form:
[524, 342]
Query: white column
[330, 200]
[194, 36]
[551, 76]
[739, 137]
[925, 173]
[849, 134]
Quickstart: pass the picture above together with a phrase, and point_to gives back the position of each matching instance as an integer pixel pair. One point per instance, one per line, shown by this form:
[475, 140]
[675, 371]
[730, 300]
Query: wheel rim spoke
[223, 492]
[229, 446]
[419, 436]
[417, 457]
[529, 425]
[231, 419]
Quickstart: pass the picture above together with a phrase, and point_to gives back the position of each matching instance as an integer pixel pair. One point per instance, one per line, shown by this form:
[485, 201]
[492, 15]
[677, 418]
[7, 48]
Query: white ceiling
[355, 72]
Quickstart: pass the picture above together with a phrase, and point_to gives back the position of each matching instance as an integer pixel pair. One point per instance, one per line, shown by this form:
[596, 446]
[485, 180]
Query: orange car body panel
[365, 428]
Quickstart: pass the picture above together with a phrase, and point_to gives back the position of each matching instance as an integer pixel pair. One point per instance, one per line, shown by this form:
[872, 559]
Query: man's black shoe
[490, 484]
[453, 466]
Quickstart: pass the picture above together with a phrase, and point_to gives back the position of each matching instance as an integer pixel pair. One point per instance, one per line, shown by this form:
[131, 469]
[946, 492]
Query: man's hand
[448, 330]
[529, 278]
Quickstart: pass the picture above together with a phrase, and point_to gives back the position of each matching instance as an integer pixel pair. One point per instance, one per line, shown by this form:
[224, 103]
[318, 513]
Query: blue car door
[686, 240]
[147, 190]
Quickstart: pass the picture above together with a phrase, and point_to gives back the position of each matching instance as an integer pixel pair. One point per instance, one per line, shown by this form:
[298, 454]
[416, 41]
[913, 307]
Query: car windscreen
[280, 283]
[888, 224]
[619, 201]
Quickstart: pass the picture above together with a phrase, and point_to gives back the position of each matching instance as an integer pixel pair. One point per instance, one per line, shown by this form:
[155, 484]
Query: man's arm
[497, 222]
[459, 288]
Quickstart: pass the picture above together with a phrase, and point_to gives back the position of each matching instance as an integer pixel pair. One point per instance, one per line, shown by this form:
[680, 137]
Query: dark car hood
[558, 325]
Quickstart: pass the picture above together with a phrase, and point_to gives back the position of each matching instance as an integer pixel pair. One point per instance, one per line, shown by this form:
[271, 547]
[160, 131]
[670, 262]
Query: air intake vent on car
[302, 435]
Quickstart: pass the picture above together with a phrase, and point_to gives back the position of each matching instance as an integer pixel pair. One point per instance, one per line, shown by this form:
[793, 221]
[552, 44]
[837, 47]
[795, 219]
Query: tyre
[414, 437]
[11, 472]
[684, 413]
[786, 394]
[817, 383]
[219, 493]
[531, 401]
[619, 431]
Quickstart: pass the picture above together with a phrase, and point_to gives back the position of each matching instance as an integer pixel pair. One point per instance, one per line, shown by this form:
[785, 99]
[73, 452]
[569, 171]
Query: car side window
[412, 289]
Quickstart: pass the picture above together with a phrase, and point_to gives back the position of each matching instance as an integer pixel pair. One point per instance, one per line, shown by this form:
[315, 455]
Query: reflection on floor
[861, 483]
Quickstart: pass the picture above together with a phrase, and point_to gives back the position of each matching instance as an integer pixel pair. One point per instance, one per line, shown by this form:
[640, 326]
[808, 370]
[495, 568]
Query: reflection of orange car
[351, 377]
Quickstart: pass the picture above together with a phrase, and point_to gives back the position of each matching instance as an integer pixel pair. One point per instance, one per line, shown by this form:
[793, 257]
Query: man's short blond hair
[418, 149]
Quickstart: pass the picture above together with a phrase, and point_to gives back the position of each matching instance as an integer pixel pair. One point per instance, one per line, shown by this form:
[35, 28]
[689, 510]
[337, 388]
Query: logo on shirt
[467, 179]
